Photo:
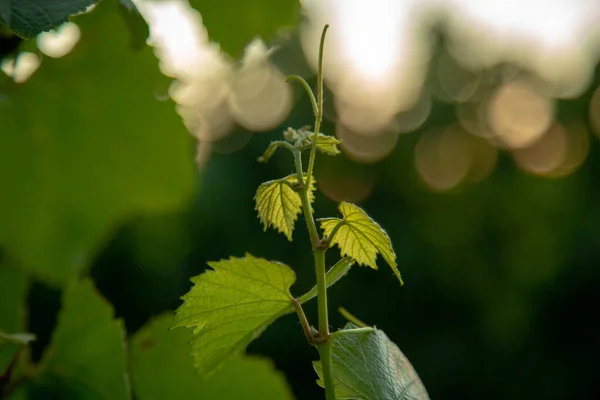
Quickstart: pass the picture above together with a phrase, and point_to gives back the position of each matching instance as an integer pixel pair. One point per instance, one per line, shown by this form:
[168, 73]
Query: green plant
[232, 304]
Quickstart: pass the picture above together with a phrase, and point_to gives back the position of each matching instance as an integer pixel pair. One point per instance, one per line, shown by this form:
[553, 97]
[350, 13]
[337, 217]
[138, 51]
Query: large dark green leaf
[30, 17]
[233, 23]
[369, 366]
[86, 355]
[85, 144]
[162, 368]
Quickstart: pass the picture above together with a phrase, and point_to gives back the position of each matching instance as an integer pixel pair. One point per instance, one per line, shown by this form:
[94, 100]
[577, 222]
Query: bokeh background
[470, 132]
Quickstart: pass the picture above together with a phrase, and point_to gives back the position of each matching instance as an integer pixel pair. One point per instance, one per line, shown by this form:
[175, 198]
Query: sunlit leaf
[359, 237]
[278, 205]
[233, 23]
[369, 366]
[231, 305]
[87, 350]
[328, 144]
[334, 274]
[325, 144]
[162, 368]
[30, 17]
[93, 147]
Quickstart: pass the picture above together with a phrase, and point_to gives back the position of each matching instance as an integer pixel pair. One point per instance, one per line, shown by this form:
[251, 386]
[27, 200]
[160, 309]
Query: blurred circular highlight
[346, 188]
[443, 158]
[260, 99]
[21, 68]
[559, 152]
[366, 149]
[518, 114]
[59, 42]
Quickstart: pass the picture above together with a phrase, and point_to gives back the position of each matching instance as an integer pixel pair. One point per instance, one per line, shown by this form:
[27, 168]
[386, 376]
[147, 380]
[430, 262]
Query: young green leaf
[325, 144]
[359, 237]
[335, 273]
[369, 366]
[328, 144]
[87, 348]
[176, 378]
[278, 205]
[230, 306]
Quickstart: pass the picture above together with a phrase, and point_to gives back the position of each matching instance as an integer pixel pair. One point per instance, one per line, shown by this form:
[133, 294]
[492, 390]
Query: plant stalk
[306, 208]
[324, 344]
[325, 355]
[319, 116]
[321, 293]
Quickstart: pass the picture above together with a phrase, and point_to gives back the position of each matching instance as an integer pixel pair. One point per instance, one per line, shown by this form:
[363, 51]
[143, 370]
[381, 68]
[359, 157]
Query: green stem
[324, 342]
[319, 116]
[306, 86]
[303, 321]
[324, 346]
[325, 355]
[322, 293]
[351, 318]
[306, 208]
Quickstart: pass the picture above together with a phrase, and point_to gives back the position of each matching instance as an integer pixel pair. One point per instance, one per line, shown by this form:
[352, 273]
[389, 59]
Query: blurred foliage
[28, 18]
[80, 132]
[233, 24]
[136, 24]
[502, 277]
[85, 358]
[156, 345]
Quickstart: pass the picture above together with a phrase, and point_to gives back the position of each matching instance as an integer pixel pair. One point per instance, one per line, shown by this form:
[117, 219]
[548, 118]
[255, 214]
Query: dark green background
[502, 277]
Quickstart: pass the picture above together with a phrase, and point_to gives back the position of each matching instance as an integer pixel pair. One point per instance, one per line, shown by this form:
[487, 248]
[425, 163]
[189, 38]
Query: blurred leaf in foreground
[233, 24]
[138, 28]
[13, 291]
[162, 368]
[86, 354]
[29, 17]
[85, 144]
